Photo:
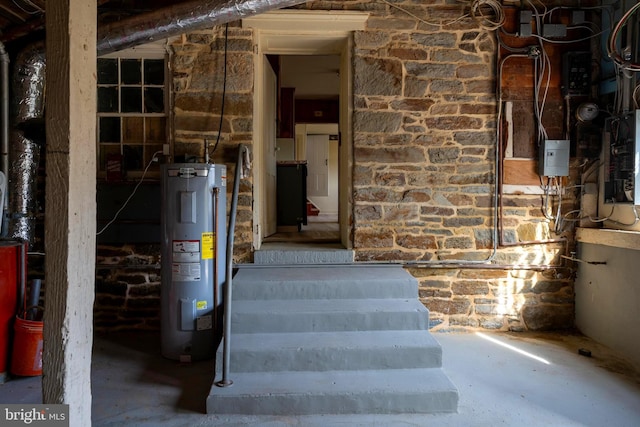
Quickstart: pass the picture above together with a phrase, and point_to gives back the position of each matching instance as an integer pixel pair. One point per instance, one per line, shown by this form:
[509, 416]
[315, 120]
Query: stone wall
[497, 299]
[424, 174]
[424, 127]
[198, 80]
[127, 288]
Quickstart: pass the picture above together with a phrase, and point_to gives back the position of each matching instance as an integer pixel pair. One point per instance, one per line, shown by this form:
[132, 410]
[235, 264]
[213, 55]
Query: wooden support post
[70, 215]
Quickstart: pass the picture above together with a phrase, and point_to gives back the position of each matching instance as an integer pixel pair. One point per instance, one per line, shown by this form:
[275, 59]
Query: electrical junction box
[554, 30]
[554, 157]
[525, 23]
[578, 17]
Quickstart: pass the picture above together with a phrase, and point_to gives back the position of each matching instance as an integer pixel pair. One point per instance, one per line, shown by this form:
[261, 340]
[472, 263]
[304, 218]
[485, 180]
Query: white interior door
[269, 144]
[317, 165]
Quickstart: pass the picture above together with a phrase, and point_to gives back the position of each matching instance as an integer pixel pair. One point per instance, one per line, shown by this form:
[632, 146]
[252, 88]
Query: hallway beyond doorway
[319, 229]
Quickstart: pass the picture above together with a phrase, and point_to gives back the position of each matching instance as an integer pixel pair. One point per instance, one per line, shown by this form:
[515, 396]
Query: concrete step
[327, 351]
[323, 315]
[390, 391]
[323, 282]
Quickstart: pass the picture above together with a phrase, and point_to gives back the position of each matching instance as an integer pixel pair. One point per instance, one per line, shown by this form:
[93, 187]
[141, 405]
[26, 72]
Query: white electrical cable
[30, 3]
[153, 160]
[545, 205]
[558, 219]
[488, 13]
[635, 96]
[413, 15]
[608, 217]
[612, 50]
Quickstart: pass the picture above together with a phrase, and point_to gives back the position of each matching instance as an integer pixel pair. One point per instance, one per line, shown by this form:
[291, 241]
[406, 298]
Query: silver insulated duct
[29, 82]
[4, 110]
[27, 137]
[179, 19]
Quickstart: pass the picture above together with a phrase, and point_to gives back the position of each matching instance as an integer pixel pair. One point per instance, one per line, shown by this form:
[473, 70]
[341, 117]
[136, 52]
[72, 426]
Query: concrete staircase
[330, 340]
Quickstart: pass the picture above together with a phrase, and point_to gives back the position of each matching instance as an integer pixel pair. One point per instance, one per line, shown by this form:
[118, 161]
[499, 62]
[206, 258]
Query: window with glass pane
[131, 111]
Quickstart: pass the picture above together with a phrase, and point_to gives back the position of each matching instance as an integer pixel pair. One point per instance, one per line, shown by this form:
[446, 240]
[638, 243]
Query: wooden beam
[70, 215]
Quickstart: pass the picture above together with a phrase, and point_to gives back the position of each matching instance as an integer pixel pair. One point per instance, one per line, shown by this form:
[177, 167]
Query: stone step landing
[273, 254]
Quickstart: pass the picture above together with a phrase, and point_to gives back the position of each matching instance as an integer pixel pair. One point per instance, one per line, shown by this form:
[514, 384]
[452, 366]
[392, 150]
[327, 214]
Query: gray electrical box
[554, 157]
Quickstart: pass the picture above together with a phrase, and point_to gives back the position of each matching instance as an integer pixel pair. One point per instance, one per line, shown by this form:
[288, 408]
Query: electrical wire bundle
[542, 72]
[488, 13]
[623, 60]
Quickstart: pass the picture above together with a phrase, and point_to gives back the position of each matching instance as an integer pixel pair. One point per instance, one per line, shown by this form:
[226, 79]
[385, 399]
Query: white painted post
[70, 215]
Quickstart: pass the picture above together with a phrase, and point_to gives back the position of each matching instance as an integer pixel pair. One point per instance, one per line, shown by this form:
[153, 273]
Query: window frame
[151, 51]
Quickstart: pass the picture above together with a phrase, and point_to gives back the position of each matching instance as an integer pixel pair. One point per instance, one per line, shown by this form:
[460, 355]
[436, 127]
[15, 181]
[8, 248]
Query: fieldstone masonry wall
[424, 172]
[199, 78]
[127, 288]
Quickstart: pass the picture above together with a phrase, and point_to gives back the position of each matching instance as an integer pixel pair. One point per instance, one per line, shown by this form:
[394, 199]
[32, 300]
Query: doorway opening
[307, 149]
[308, 34]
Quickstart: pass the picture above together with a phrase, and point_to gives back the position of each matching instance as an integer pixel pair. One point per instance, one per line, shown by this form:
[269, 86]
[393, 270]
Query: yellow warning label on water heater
[208, 245]
[201, 305]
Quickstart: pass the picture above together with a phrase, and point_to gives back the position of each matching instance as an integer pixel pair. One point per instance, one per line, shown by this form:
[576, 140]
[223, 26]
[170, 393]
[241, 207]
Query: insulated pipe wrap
[4, 111]
[25, 155]
[26, 139]
[22, 228]
[28, 84]
[179, 19]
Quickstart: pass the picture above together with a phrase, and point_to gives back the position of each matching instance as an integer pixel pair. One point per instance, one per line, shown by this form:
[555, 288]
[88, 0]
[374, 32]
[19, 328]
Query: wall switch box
[554, 30]
[578, 17]
[525, 23]
[554, 157]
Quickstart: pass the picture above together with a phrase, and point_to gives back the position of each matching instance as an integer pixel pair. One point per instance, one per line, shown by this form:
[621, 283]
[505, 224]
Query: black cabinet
[291, 193]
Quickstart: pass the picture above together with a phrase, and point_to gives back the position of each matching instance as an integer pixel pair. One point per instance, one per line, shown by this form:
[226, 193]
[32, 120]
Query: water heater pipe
[216, 302]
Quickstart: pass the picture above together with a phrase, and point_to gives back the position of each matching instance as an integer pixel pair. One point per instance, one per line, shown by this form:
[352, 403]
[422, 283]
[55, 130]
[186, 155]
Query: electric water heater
[193, 259]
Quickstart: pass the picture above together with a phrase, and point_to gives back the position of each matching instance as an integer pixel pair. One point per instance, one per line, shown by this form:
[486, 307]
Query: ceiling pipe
[25, 141]
[4, 110]
[179, 19]
[4, 136]
[29, 82]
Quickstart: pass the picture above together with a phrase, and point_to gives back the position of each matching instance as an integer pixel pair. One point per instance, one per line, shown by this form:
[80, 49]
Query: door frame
[300, 32]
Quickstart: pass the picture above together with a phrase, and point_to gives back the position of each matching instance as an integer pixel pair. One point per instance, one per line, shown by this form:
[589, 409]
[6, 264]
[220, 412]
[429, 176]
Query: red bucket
[26, 358]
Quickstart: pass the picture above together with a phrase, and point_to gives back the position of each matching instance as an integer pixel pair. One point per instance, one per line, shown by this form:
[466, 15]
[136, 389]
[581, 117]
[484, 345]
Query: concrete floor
[504, 379]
